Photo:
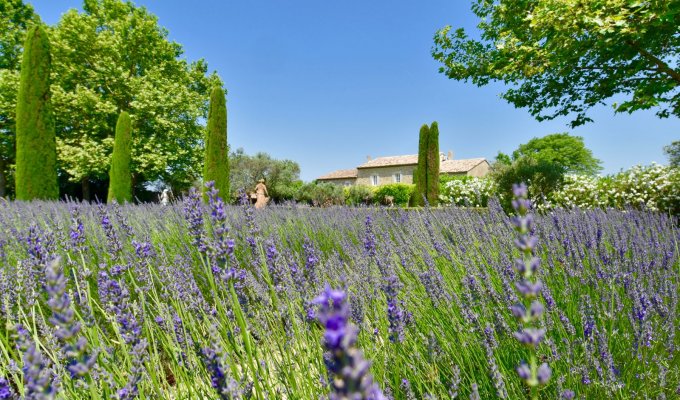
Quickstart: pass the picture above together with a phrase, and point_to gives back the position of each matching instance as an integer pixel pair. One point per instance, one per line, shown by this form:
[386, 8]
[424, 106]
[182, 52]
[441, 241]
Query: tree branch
[661, 66]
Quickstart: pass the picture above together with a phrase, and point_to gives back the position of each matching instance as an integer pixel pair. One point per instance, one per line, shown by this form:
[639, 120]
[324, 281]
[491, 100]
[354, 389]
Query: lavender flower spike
[78, 361]
[529, 309]
[348, 370]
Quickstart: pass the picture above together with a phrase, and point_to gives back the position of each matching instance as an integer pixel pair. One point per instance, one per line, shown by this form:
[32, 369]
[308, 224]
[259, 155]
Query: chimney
[450, 155]
[368, 158]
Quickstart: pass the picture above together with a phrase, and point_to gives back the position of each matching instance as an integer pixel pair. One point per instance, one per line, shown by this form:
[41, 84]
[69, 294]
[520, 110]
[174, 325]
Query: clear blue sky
[328, 83]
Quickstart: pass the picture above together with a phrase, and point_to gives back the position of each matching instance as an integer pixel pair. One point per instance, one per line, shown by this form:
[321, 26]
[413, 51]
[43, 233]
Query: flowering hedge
[654, 187]
[468, 191]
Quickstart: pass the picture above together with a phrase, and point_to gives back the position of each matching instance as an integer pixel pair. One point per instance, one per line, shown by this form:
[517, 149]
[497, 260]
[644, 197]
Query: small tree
[120, 177]
[433, 160]
[672, 151]
[36, 148]
[420, 173]
[216, 167]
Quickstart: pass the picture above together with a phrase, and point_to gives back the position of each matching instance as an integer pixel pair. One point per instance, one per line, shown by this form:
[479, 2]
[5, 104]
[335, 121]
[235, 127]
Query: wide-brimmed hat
[261, 180]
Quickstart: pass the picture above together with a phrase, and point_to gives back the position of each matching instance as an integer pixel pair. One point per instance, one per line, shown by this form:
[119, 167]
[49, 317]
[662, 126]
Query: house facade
[399, 169]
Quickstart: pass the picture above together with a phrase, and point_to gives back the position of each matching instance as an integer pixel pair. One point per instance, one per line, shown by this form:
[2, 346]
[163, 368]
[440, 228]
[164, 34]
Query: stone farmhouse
[399, 169]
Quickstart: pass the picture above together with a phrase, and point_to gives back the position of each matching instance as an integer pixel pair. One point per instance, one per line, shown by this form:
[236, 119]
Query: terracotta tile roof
[447, 166]
[411, 159]
[455, 166]
[339, 174]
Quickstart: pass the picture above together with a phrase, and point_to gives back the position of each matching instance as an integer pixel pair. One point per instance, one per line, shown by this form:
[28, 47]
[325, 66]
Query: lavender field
[211, 301]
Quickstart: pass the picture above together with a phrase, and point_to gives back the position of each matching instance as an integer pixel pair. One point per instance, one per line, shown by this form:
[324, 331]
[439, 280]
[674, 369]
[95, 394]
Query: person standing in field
[262, 196]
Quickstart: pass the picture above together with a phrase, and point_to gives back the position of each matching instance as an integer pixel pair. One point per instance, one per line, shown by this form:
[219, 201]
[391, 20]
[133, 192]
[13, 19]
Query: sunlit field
[214, 301]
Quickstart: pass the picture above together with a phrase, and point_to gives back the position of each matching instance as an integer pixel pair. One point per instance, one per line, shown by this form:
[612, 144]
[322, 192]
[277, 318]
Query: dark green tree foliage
[120, 176]
[433, 160]
[216, 167]
[15, 20]
[543, 178]
[36, 154]
[282, 177]
[562, 149]
[672, 151]
[562, 58]
[420, 173]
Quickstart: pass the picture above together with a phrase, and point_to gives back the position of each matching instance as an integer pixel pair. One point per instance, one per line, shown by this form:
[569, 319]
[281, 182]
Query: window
[374, 180]
[397, 177]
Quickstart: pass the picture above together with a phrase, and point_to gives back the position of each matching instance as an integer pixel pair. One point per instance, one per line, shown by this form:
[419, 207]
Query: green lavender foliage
[36, 153]
[216, 167]
[433, 160]
[120, 177]
[420, 173]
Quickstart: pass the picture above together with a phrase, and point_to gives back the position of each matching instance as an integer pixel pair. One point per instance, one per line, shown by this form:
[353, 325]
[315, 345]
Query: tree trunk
[85, 182]
[3, 179]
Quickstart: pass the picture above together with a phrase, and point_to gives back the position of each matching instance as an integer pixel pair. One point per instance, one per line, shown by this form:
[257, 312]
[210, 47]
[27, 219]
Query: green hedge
[400, 193]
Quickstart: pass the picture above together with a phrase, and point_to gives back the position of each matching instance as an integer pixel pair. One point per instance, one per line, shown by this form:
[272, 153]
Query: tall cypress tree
[420, 173]
[120, 177]
[36, 147]
[433, 160]
[216, 167]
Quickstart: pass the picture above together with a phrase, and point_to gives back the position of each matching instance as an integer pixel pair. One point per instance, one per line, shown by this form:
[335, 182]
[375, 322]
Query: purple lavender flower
[529, 288]
[6, 391]
[395, 310]
[77, 231]
[113, 242]
[38, 377]
[193, 213]
[117, 298]
[346, 365]
[214, 359]
[78, 360]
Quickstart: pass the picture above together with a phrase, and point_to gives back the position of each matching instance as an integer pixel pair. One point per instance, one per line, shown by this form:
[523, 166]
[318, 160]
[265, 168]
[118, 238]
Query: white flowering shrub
[468, 191]
[656, 187]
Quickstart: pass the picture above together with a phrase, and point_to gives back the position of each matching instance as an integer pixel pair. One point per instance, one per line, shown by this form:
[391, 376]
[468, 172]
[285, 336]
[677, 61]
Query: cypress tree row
[36, 147]
[433, 160]
[216, 167]
[120, 177]
[420, 173]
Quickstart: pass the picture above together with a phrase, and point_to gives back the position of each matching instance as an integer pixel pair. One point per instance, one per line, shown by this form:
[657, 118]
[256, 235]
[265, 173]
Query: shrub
[542, 177]
[358, 194]
[655, 187]
[400, 193]
[36, 147]
[467, 191]
[321, 194]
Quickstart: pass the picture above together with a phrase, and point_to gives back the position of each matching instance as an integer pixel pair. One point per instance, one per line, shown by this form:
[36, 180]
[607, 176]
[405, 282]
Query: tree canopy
[562, 57]
[672, 151]
[282, 177]
[113, 57]
[562, 149]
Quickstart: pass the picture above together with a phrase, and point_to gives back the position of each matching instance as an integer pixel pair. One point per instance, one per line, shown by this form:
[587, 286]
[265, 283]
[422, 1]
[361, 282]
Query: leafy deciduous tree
[115, 57]
[120, 178]
[36, 156]
[282, 177]
[562, 57]
[562, 149]
[672, 151]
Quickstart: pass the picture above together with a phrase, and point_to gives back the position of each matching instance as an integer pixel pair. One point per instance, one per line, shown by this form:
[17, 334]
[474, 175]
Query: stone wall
[385, 175]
